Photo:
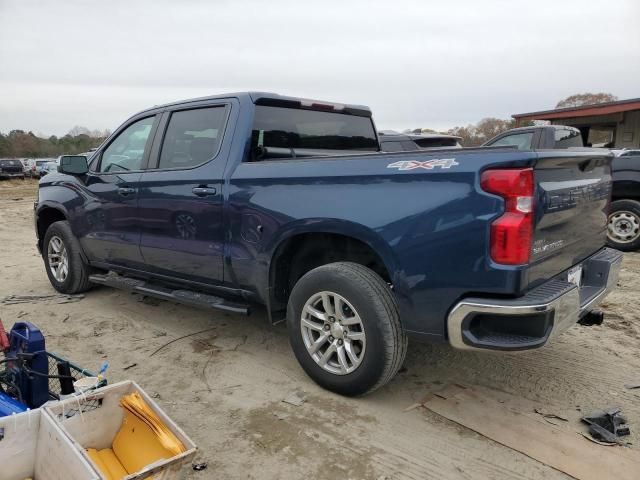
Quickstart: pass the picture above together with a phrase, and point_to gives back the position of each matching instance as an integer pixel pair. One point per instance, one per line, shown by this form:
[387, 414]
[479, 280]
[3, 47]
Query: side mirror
[73, 164]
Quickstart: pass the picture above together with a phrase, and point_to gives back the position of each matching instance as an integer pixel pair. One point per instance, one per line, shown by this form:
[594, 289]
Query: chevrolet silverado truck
[623, 226]
[253, 198]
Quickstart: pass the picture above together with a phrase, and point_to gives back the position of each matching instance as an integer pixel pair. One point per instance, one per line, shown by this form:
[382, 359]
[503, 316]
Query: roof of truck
[555, 127]
[265, 97]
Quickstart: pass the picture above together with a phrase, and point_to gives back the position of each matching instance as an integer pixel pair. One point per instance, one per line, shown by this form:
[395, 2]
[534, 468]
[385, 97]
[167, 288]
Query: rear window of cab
[291, 128]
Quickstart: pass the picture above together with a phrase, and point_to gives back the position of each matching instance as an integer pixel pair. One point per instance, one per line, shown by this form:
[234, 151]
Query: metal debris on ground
[296, 399]
[200, 466]
[607, 425]
[631, 386]
[591, 439]
[180, 338]
[130, 366]
[59, 298]
[548, 415]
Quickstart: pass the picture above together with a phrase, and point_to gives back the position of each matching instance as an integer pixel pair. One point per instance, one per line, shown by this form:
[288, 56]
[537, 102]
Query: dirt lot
[225, 386]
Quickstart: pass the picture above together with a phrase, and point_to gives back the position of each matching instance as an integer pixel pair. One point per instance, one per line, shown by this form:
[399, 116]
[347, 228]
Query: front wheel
[344, 328]
[66, 269]
[623, 228]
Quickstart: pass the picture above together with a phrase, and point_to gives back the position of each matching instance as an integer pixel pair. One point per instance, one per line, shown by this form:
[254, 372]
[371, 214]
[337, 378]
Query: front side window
[192, 137]
[291, 128]
[520, 140]
[127, 150]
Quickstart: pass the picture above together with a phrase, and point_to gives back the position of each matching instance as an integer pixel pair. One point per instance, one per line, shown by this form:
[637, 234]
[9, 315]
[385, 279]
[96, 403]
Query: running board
[187, 297]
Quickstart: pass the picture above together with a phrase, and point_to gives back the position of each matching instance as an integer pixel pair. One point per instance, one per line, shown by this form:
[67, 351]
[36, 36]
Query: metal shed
[610, 124]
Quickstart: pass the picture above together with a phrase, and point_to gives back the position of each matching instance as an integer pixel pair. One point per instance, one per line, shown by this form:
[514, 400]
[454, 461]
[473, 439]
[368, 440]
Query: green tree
[21, 144]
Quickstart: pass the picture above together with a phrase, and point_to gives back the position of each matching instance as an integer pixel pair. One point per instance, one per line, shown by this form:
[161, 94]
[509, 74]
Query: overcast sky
[415, 63]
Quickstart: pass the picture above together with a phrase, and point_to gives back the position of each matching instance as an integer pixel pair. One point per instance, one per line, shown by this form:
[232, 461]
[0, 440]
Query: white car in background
[625, 152]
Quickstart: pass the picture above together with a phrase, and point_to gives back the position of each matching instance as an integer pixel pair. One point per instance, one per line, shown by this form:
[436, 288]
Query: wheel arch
[45, 216]
[309, 244]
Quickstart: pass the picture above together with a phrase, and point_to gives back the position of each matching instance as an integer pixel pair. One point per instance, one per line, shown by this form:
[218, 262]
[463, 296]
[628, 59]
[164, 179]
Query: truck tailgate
[572, 199]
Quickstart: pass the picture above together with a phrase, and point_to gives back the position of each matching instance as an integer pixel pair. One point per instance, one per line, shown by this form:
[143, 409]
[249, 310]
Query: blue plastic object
[27, 338]
[9, 406]
[104, 367]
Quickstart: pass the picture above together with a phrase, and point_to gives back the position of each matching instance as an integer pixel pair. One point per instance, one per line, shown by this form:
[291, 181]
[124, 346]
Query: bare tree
[485, 129]
[580, 99]
[78, 130]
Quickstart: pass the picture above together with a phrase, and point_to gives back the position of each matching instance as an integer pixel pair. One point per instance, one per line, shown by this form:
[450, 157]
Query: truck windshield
[279, 128]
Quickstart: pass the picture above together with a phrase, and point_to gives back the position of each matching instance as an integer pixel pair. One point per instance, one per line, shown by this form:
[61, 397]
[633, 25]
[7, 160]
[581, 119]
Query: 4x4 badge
[427, 164]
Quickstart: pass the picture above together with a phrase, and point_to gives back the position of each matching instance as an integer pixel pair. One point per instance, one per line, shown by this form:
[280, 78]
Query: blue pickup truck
[253, 198]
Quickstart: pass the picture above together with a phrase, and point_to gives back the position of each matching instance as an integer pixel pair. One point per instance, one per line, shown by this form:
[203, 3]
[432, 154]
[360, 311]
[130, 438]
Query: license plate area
[574, 275]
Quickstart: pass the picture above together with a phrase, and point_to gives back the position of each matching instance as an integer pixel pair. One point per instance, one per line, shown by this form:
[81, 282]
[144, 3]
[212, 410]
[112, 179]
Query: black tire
[624, 213]
[77, 279]
[373, 300]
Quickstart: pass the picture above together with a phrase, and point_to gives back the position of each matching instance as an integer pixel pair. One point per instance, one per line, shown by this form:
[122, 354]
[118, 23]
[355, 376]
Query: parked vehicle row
[246, 198]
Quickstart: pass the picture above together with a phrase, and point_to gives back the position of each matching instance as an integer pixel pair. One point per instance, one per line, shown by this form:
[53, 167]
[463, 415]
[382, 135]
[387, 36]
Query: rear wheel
[344, 328]
[66, 269]
[623, 228]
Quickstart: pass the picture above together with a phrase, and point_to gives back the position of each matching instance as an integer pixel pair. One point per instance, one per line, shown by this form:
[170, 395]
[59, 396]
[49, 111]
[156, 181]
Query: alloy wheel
[333, 333]
[58, 259]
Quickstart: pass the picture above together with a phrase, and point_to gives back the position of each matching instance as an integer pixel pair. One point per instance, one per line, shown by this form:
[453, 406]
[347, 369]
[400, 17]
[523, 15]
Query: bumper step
[186, 297]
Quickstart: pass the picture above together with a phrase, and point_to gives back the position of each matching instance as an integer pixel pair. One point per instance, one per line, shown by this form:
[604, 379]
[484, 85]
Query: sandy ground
[225, 387]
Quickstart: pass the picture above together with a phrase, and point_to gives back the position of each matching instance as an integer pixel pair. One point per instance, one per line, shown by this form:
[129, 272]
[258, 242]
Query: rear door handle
[204, 191]
[124, 191]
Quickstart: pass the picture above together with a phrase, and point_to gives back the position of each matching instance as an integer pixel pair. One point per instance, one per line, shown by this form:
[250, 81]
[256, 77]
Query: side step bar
[187, 297]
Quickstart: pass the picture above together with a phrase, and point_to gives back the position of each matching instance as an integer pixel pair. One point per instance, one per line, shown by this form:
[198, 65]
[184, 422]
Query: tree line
[21, 144]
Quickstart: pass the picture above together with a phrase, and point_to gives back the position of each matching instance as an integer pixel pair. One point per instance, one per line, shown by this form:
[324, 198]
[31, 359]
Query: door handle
[204, 191]
[124, 191]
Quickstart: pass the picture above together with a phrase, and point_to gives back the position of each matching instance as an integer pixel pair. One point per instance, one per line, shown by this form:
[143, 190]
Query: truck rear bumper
[529, 321]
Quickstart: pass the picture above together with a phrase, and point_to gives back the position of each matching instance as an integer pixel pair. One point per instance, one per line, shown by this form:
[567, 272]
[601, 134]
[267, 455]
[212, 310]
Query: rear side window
[520, 140]
[566, 138]
[192, 137]
[290, 128]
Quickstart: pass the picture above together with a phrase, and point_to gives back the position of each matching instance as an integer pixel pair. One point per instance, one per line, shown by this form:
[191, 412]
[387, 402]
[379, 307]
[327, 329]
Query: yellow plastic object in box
[108, 464]
[143, 439]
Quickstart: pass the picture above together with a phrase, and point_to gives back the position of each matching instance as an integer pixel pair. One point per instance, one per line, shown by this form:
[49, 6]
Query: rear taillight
[512, 232]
